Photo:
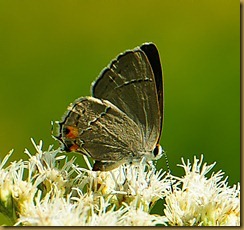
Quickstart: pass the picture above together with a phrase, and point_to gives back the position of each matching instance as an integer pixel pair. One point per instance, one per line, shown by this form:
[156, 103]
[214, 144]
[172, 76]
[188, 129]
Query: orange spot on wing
[73, 132]
[73, 147]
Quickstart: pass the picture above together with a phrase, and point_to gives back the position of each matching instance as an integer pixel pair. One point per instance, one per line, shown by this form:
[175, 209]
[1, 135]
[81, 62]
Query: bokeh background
[51, 51]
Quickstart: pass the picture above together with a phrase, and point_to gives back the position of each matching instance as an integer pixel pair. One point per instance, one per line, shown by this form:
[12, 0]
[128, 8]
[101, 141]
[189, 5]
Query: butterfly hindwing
[98, 129]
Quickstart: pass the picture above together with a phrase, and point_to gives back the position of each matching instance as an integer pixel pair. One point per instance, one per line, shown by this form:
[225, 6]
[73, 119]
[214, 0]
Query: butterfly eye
[157, 152]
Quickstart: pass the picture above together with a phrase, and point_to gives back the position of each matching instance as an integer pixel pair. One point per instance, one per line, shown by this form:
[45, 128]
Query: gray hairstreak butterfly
[122, 121]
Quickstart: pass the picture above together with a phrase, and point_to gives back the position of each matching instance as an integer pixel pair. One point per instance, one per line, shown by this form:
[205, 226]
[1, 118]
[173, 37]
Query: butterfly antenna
[168, 169]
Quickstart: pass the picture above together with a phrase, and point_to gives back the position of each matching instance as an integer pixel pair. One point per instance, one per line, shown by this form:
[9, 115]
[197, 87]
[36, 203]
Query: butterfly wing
[152, 54]
[99, 129]
[129, 83]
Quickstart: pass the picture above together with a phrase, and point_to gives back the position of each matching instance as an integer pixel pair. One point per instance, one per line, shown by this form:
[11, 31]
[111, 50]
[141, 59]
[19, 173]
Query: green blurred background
[51, 51]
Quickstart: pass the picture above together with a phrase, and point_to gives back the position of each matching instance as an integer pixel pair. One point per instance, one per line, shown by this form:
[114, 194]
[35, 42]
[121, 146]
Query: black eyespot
[66, 130]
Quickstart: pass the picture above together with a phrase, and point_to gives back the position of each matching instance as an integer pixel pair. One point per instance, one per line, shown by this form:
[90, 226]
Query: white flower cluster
[50, 190]
[200, 201]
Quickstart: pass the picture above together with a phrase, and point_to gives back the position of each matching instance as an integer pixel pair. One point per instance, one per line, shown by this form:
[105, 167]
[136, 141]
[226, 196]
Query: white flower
[138, 217]
[197, 200]
[136, 185]
[69, 211]
[49, 190]
[6, 184]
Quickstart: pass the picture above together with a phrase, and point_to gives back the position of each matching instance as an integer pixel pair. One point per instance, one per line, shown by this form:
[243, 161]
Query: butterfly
[122, 121]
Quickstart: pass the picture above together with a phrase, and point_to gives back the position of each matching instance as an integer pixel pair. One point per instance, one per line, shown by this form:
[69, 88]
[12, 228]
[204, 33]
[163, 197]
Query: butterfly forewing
[129, 84]
[152, 54]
